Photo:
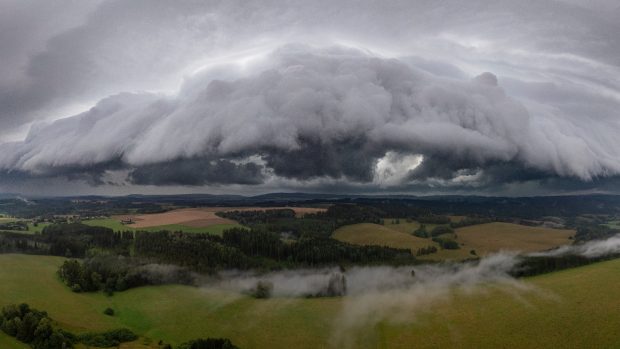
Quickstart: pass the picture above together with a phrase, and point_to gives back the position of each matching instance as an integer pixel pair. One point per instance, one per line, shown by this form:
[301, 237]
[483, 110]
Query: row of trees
[535, 265]
[426, 250]
[117, 273]
[244, 249]
[68, 240]
[320, 224]
[19, 225]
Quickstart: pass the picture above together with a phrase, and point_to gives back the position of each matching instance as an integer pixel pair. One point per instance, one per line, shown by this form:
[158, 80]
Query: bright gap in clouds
[393, 168]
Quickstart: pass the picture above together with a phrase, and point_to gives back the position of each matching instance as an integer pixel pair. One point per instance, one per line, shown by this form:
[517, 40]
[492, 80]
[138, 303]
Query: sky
[235, 97]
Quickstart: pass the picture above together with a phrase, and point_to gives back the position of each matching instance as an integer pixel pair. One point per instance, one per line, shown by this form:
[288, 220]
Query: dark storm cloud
[198, 172]
[312, 113]
[350, 158]
[409, 108]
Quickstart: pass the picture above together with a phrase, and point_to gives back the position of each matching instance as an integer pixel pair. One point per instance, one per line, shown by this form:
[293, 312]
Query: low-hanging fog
[382, 293]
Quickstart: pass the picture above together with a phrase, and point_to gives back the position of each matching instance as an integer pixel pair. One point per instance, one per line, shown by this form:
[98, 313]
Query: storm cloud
[291, 94]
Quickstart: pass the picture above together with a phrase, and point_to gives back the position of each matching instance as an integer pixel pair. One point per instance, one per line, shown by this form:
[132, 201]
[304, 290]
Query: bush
[426, 250]
[108, 339]
[440, 230]
[109, 311]
[263, 289]
[447, 244]
[209, 343]
[421, 232]
[433, 219]
[33, 327]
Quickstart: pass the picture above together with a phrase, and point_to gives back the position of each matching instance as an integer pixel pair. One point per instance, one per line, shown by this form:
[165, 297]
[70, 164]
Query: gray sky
[491, 97]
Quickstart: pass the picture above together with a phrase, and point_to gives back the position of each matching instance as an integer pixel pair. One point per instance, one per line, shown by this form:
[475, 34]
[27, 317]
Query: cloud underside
[312, 115]
[418, 96]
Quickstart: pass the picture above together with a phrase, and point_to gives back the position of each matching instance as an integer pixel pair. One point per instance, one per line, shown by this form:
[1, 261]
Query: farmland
[116, 225]
[190, 220]
[375, 234]
[199, 217]
[493, 237]
[482, 238]
[550, 314]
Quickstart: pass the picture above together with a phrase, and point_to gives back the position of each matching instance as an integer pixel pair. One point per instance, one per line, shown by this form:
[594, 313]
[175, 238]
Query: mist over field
[495, 267]
[401, 294]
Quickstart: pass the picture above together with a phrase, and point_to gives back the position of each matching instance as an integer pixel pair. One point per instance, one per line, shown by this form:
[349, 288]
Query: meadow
[613, 224]
[570, 308]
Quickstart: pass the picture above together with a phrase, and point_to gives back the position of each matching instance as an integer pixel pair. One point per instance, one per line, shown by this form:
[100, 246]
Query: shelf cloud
[362, 98]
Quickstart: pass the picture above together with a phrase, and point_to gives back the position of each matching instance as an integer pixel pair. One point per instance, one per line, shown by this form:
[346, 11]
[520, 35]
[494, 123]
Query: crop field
[571, 308]
[115, 225]
[496, 236]
[189, 220]
[198, 217]
[482, 238]
[382, 235]
[397, 235]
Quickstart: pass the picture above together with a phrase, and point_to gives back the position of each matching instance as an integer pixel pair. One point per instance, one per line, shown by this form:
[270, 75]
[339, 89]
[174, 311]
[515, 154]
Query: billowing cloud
[407, 95]
[308, 113]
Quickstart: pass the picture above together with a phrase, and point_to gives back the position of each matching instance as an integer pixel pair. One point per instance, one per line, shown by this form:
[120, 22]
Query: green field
[613, 224]
[11, 343]
[115, 225]
[575, 308]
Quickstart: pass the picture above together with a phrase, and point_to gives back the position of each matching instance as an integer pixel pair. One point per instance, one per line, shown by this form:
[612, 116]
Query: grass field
[115, 225]
[7, 342]
[613, 224]
[575, 308]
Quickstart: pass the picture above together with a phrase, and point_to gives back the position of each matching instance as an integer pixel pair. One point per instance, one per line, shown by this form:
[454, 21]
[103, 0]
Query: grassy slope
[11, 343]
[572, 308]
[117, 226]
